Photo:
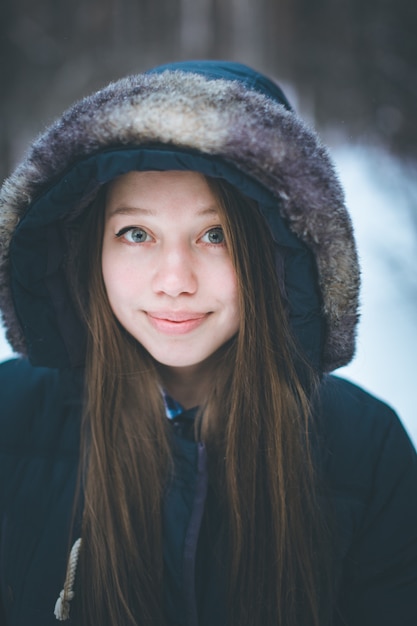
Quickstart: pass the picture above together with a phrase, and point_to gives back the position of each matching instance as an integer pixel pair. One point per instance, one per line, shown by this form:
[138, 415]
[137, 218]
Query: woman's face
[166, 267]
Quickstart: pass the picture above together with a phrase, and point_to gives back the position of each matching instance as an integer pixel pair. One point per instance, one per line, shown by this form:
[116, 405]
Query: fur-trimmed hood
[221, 119]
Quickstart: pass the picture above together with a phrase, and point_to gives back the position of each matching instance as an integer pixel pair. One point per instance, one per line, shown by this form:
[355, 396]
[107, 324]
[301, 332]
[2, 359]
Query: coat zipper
[191, 538]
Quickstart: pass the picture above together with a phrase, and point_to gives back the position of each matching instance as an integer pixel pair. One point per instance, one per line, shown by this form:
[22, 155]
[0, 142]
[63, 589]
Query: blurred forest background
[353, 63]
[348, 66]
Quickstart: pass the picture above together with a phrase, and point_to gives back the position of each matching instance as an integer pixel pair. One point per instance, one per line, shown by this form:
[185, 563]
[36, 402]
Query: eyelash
[127, 229]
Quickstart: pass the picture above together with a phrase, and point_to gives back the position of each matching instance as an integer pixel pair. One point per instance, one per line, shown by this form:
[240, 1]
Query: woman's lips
[176, 322]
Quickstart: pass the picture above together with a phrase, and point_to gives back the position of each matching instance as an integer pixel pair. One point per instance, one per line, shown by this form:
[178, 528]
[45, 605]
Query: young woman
[179, 275]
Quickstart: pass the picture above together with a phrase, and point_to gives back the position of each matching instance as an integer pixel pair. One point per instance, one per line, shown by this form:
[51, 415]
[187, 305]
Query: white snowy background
[382, 198]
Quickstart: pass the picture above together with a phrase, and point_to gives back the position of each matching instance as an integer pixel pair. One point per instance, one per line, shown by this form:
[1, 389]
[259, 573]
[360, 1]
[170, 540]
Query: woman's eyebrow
[210, 210]
[129, 210]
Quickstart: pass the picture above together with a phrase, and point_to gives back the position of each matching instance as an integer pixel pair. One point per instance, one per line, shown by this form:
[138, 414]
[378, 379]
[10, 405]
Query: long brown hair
[256, 425]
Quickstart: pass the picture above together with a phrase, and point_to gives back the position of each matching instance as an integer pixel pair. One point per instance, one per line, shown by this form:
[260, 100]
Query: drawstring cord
[62, 606]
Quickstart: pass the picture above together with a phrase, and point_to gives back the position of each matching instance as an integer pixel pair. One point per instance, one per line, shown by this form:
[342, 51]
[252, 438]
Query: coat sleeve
[39, 442]
[379, 579]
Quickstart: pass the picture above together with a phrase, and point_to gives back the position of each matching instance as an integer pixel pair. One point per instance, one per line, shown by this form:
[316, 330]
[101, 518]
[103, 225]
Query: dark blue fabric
[369, 474]
[39, 441]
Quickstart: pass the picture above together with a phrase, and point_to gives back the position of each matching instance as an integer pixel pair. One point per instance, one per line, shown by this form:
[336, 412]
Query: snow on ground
[381, 197]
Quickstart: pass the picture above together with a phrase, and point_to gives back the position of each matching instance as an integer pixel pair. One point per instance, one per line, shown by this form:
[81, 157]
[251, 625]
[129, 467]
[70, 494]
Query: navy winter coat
[370, 472]
[227, 121]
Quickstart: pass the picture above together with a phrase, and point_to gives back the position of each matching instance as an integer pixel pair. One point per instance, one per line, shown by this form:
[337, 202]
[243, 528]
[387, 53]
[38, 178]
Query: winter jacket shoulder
[39, 439]
[371, 474]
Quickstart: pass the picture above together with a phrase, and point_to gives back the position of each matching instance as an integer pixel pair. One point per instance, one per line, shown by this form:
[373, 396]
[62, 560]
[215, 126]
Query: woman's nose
[175, 272]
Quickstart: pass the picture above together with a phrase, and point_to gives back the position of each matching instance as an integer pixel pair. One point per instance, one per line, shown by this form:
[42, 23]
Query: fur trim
[216, 117]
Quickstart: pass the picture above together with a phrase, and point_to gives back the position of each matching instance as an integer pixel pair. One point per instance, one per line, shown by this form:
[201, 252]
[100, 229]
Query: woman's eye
[214, 236]
[133, 235]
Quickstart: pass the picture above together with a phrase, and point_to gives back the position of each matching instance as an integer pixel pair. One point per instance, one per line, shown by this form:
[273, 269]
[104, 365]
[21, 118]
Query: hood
[221, 119]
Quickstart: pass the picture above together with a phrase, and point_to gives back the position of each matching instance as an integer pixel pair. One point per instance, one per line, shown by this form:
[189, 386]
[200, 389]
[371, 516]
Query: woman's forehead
[150, 189]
